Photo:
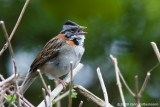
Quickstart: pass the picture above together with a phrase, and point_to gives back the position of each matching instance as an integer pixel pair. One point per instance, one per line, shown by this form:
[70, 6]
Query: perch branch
[118, 80]
[103, 87]
[59, 88]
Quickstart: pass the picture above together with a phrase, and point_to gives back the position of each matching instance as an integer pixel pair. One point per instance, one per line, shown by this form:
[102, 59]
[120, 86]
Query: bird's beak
[80, 30]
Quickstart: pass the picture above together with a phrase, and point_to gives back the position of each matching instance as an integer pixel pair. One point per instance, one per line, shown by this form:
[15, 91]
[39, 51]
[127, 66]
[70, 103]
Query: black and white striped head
[71, 29]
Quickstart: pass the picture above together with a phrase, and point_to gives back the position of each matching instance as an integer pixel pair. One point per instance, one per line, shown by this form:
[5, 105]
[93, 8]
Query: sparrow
[54, 59]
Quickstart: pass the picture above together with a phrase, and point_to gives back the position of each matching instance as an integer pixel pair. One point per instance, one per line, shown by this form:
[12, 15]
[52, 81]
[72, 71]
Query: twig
[59, 88]
[118, 80]
[90, 96]
[70, 87]
[156, 50]
[25, 101]
[10, 80]
[103, 87]
[146, 79]
[81, 103]
[10, 46]
[49, 94]
[61, 96]
[44, 84]
[58, 104]
[125, 84]
[136, 91]
[15, 27]
[44, 95]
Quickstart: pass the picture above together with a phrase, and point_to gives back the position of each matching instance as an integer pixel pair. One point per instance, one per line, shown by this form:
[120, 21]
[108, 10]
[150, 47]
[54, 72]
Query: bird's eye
[73, 30]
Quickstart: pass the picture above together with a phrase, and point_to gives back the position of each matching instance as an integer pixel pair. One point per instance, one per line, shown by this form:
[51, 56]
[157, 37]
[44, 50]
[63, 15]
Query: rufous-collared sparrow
[54, 59]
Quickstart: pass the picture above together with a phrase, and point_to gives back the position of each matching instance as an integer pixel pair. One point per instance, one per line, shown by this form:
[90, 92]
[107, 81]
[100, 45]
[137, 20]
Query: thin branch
[15, 27]
[144, 83]
[90, 96]
[58, 104]
[156, 50]
[44, 95]
[59, 88]
[10, 46]
[103, 87]
[44, 84]
[61, 96]
[10, 80]
[49, 94]
[136, 91]
[70, 87]
[118, 80]
[81, 103]
[126, 85]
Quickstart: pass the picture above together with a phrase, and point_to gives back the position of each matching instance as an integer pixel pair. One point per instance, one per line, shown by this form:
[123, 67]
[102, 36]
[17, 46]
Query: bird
[54, 59]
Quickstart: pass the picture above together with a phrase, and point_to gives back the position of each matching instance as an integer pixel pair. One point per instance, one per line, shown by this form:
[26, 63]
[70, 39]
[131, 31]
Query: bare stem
[15, 27]
[118, 80]
[44, 84]
[61, 96]
[126, 85]
[70, 87]
[103, 87]
[58, 104]
[136, 91]
[81, 103]
[10, 46]
[90, 96]
[146, 80]
[156, 50]
[44, 95]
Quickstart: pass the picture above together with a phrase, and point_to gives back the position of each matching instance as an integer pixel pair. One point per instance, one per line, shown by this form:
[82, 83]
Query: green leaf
[74, 94]
[54, 102]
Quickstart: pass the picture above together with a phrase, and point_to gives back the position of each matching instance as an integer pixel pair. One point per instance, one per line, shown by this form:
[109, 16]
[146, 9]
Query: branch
[11, 79]
[90, 96]
[59, 88]
[126, 85]
[156, 50]
[61, 96]
[81, 103]
[103, 87]
[70, 87]
[10, 46]
[118, 80]
[15, 27]
[136, 90]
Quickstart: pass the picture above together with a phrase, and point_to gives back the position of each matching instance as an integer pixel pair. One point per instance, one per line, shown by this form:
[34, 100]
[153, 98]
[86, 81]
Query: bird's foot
[64, 83]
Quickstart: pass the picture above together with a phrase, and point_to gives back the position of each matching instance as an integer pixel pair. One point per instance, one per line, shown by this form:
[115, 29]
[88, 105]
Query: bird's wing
[49, 51]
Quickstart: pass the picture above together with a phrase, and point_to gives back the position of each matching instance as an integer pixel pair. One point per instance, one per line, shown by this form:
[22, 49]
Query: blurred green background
[123, 28]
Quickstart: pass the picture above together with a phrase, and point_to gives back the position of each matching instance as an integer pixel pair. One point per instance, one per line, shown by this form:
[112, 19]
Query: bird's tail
[31, 76]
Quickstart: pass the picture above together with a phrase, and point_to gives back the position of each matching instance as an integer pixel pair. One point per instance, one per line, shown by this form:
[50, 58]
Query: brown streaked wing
[49, 51]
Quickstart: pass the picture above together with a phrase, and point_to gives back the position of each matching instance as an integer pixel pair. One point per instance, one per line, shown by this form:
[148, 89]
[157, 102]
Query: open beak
[80, 32]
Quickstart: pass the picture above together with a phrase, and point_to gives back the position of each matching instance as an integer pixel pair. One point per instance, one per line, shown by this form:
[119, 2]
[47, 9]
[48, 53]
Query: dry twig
[136, 91]
[10, 46]
[70, 87]
[103, 87]
[80, 104]
[15, 27]
[118, 80]
[90, 96]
